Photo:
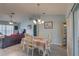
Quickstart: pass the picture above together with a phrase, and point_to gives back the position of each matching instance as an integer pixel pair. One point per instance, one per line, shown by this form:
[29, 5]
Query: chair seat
[30, 45]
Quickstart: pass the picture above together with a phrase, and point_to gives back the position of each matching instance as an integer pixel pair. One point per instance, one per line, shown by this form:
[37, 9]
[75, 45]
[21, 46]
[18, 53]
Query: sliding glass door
[76, 30]
[73, 31]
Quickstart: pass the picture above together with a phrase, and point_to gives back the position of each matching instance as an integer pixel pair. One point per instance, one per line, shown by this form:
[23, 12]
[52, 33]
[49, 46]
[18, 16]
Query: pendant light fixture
[38, 19]
[11, 20]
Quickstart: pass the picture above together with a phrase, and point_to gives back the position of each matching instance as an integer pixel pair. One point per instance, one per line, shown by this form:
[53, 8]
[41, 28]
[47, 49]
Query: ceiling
[22, 9]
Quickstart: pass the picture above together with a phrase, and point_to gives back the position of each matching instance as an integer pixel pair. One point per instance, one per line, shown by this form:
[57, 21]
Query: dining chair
[48, 45]
[46, 49]
[40, 46]
[29, 46]
[23, 43]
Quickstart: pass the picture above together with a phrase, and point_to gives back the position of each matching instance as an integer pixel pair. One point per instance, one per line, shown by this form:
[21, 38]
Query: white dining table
[40, 42]
[37, 42]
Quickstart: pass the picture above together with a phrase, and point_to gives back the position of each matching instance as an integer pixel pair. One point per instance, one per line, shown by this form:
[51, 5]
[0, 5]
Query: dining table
[40, 42]
[37, 42]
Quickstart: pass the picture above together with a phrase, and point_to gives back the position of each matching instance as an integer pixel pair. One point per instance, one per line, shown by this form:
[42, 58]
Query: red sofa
[11, 40]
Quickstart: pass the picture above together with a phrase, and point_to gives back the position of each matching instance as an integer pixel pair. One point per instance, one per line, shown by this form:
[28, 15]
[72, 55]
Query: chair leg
[32, 51]
[44, 53]
[48, 52]
[27, 51]
[38, 51]
[23, 48]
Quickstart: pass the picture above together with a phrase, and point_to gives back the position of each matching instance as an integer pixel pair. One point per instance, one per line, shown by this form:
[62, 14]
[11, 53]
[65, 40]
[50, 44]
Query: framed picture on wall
[29, 26]
[48, 24]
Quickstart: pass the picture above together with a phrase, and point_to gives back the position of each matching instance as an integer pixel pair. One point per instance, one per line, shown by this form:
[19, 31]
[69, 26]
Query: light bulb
[10, 22]
[34, 21]
[39, 20]
[42, 22]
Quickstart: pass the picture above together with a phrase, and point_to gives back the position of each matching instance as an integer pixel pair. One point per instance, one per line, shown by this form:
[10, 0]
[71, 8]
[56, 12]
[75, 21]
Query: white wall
[23, 25]
[55, 33]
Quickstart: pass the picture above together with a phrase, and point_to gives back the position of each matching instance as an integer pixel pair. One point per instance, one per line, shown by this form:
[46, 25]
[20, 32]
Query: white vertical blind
[9, 29]
[6, 29]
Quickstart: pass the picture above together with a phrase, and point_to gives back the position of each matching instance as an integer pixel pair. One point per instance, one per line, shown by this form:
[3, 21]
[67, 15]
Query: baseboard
[57, 44]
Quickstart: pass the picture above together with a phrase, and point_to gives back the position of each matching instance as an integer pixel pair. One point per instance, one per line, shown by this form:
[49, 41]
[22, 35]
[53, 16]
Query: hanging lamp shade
[34, 21]
[11, 21]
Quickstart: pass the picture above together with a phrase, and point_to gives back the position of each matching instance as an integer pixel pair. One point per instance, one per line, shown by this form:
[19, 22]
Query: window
[9, 29]
[6, 29]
